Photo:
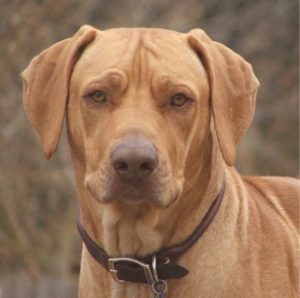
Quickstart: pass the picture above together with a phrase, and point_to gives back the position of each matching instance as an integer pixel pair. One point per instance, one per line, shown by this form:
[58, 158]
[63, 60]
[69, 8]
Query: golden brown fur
[250, 249]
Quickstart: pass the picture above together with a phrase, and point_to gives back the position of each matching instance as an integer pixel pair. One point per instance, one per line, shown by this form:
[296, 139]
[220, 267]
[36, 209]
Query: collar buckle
[114, 271]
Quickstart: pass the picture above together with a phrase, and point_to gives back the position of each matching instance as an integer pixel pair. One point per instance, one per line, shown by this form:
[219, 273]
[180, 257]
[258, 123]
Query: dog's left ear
[46, 86]
[233, 88]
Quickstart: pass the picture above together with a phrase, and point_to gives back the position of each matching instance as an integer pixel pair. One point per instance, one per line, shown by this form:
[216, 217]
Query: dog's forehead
[152, 48]
[157, 32]
[137, 38]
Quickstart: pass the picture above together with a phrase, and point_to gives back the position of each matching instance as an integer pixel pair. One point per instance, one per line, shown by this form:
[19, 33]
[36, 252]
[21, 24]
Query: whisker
[190, 185]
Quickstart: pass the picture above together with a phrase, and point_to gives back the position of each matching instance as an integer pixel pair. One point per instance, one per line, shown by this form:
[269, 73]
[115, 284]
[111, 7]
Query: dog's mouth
[160, 194]
[135, 198]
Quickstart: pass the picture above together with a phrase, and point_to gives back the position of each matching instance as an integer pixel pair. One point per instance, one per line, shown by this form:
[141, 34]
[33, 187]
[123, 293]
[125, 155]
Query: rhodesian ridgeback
[153, 119]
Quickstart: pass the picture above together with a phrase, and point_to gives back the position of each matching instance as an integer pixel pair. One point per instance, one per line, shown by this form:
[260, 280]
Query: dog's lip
[133, 194]
[155, 201]
[130, 196]
[171, 202]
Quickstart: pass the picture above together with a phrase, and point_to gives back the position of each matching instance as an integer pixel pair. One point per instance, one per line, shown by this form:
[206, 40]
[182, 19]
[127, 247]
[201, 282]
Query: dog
[153, 119]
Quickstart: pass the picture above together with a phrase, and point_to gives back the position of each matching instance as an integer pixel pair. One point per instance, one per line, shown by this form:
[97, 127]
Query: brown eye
[98, 96]
[178, 100]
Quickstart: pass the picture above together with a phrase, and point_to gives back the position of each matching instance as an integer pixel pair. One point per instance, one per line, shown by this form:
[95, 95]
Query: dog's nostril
[121, 166]
[147, 167]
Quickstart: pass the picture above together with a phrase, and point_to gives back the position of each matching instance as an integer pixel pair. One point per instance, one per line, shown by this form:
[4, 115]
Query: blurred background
[39, 245]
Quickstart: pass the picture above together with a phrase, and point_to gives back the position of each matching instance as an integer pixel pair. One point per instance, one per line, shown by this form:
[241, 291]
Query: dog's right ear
[46, 86]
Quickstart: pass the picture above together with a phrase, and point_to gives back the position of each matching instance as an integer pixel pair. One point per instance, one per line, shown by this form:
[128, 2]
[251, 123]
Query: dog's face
[137, 100]
[138, 104]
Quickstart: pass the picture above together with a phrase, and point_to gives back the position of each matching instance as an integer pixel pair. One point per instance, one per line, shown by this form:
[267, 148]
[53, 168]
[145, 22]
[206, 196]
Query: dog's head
[138, 105]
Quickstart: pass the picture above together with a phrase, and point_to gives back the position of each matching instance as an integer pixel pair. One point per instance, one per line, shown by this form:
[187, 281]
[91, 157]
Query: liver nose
[135, 158]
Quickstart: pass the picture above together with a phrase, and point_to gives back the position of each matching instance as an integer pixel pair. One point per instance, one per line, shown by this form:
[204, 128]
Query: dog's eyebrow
[169, 84]
[112, 78]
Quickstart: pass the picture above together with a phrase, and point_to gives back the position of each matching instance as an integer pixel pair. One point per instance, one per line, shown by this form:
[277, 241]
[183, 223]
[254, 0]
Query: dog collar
[153, 269]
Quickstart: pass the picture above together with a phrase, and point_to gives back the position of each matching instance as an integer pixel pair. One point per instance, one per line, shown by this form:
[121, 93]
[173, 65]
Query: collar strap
[159, 266]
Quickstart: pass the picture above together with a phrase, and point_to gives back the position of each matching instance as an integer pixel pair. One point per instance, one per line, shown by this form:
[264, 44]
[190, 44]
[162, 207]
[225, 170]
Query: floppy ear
[233, 88]
[46, 84]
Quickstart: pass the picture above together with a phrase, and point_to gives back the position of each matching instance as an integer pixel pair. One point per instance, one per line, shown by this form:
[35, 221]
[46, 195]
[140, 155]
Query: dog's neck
[138, 230]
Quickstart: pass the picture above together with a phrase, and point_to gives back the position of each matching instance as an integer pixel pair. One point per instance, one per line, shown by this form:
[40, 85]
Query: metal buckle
[114, 271]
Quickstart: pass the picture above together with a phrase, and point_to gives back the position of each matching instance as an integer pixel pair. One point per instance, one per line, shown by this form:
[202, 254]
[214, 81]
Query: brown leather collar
[158, 266]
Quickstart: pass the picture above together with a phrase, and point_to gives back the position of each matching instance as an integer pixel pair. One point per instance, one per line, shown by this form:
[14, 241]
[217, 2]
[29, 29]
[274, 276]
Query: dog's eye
[178, 100]
[98, 96]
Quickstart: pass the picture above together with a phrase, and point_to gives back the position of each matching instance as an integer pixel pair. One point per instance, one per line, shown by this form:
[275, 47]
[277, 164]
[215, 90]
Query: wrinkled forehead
[141, 53]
